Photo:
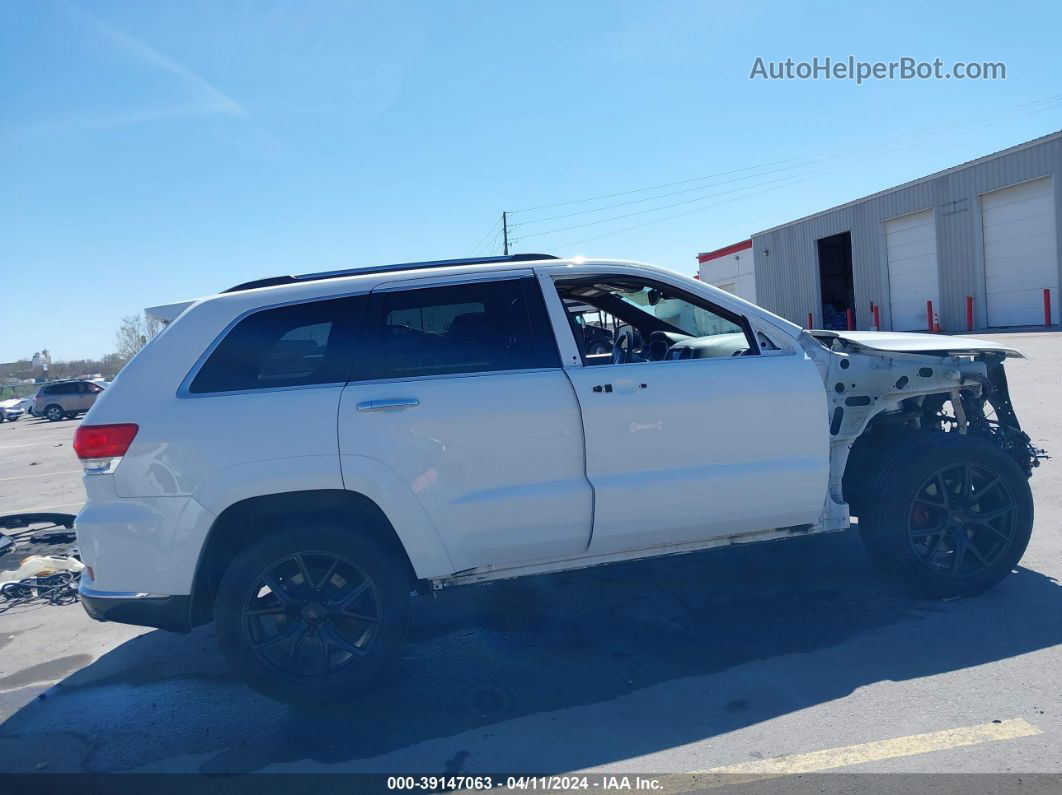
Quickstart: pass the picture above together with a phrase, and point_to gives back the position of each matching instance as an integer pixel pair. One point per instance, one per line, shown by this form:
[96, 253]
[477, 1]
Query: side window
[623, 320]
[468, 328]
[296, 345]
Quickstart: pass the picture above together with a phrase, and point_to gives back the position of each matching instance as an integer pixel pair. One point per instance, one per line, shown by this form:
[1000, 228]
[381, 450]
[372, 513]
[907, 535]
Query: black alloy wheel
[311, 615]
[962, 520]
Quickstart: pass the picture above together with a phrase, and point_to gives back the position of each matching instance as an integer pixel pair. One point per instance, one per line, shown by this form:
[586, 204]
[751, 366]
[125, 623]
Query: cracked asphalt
[661, 666]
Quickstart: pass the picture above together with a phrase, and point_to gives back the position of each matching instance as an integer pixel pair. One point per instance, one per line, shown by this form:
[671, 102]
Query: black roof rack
[270, 281]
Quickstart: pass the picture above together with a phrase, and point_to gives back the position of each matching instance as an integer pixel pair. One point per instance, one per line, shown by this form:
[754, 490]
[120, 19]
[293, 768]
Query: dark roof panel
[271, 281]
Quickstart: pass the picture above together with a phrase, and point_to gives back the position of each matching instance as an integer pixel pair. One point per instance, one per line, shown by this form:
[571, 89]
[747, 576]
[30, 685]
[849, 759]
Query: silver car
[11, 409]
[65, 399]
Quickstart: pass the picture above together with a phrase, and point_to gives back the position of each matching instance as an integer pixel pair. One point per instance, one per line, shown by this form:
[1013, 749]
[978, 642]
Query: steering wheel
[627, 342]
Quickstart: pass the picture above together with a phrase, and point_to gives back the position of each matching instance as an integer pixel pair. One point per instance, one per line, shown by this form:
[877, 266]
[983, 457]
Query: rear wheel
[54, 413]
[951, 514]
[312, 616]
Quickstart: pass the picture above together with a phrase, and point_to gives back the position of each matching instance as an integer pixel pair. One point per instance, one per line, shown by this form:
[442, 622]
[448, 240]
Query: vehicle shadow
[666, 652]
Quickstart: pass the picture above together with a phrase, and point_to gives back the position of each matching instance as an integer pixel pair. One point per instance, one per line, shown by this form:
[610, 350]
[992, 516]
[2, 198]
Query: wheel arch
[247, 519]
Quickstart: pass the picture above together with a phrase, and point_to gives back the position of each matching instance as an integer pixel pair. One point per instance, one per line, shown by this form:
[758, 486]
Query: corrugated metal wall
[786, 257]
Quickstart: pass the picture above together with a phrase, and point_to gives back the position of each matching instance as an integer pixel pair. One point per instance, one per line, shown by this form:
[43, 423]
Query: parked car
[12, 409]
[65, 399]
[441, 427]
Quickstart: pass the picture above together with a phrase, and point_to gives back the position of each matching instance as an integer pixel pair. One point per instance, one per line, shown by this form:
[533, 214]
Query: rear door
[458, 389]
[91, 392]
[74, 396]
[682, 449]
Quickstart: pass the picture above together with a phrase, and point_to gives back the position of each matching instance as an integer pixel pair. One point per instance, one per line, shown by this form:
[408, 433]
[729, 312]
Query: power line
[651, 187]
[658, 196]
[691, 212]
[881, 146]
[656, 209]
[482, 240]
[1021, 109]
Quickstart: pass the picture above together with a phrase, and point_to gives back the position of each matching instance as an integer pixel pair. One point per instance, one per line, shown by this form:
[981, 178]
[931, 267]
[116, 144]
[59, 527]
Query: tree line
[132, 334]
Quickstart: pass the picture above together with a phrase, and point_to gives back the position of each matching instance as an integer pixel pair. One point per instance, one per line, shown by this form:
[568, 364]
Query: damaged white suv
[296, 456]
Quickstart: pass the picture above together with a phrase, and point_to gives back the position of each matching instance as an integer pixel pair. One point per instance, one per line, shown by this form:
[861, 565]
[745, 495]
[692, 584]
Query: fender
[233, 484]
[420, 538]
[367, 476]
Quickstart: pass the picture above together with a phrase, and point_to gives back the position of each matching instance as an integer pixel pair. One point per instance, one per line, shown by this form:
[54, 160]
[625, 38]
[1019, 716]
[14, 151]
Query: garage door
[1021, 255]
[911, 243]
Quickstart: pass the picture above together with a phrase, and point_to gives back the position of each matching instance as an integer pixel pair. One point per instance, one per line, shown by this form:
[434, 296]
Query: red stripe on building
[722, 252]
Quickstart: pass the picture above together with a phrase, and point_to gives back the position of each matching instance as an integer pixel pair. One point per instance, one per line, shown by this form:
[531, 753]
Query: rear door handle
[387, 403]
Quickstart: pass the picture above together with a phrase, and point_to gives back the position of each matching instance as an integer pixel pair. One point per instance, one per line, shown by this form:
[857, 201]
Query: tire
[302, 648]
[950, 514]
[54, 413]
[598, 348]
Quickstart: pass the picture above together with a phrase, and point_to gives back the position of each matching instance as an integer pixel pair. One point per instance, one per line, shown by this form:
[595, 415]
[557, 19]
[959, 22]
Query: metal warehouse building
[975, 245]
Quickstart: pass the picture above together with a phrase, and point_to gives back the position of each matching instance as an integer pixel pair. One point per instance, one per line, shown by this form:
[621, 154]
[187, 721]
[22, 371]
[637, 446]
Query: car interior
[654, 322]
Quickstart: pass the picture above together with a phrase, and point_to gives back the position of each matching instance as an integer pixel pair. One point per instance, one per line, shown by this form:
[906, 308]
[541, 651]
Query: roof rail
[271, 281]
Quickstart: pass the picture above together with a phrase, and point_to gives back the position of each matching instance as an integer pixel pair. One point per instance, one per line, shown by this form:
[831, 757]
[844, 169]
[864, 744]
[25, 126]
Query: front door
[458, 389]
[692, 431]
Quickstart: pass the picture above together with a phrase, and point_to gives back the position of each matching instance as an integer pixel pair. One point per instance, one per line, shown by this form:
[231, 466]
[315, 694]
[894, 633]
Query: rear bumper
[145, 610]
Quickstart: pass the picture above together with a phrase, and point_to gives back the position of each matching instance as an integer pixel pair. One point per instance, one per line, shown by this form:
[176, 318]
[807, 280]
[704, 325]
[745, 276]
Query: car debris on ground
[40, 561]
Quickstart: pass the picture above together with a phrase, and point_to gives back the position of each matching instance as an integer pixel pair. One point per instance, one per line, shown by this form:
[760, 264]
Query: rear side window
[479, 327]
[296, 345]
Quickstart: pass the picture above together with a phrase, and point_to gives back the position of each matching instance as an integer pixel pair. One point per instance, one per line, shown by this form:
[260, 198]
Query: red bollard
[929, 316]
[851, 320]
[1047, 306]
[877, 318]
[969, 313]
[811, 321]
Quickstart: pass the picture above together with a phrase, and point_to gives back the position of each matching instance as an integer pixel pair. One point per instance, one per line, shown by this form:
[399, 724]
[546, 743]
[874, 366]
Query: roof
[929, 177]
[722, 252]
[271, 281]
[167, 313]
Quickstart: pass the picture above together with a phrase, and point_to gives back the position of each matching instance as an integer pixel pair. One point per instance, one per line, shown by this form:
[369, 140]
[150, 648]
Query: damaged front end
[881, 387]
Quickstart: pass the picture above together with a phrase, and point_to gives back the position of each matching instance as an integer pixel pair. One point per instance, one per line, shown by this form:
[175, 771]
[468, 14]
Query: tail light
[101, 447]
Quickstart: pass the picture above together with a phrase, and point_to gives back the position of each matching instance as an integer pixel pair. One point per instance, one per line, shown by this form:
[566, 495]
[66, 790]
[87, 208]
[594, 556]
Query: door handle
[623, 387]
[387, 403]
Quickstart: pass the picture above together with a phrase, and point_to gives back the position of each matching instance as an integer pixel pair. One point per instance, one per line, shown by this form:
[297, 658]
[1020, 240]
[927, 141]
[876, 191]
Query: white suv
[295, 456]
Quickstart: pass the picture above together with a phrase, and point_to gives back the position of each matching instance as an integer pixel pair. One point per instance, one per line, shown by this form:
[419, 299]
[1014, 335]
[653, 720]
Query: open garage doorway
[835, 280]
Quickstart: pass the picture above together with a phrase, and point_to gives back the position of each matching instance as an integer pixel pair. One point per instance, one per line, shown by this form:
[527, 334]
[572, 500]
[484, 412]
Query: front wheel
[312, 616]
[951, 514]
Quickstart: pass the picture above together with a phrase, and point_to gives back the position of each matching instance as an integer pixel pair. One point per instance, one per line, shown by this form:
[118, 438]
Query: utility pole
[505, 231]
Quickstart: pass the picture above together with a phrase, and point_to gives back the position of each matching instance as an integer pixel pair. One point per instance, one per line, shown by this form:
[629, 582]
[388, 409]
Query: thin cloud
[104, 121]
[213, 97]
[207, 99]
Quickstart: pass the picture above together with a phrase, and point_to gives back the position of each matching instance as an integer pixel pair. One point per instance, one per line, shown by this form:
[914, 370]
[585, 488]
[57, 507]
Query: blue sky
[159, 151]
